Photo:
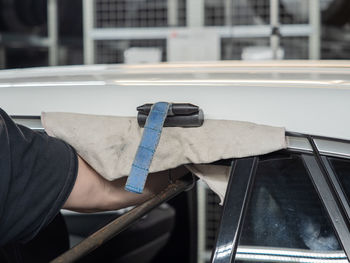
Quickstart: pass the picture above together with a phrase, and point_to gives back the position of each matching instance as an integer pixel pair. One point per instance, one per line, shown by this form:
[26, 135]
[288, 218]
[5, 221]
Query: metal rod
[238, 31]
[118, 225]
[52, 32]
[88, 26]
[173, 9]
[228, 12]
[195, 13]
[315, 36]
[274, 23]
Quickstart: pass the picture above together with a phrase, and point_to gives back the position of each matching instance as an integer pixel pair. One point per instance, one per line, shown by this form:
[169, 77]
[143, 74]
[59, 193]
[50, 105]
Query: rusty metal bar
[118, 225]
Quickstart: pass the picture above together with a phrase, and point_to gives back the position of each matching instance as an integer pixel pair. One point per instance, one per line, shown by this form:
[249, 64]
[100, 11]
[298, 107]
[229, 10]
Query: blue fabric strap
[149, 142]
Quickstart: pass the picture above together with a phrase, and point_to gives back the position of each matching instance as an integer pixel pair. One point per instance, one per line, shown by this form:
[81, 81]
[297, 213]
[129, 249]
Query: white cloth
[215, 176]
[109, 144]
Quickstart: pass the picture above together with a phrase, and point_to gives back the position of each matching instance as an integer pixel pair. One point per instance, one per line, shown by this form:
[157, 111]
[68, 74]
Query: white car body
[307, 97]
[310, 97]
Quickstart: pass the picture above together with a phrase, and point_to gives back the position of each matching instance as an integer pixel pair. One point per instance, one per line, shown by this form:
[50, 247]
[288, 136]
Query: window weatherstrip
[329, 200]
[235, 205]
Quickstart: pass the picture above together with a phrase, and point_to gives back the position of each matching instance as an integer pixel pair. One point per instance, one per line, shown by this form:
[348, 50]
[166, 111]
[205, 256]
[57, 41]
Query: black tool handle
[193, 120]
[174, 109]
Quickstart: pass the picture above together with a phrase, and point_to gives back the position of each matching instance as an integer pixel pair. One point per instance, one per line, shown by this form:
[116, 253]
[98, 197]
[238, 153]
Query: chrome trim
[274, 254]
[66, 212]
[298, 143]
[333, 148]
[325, 146]
[270, 254]
[33, 123]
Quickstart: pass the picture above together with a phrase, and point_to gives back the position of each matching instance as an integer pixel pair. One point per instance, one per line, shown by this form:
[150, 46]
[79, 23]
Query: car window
[285, 220]
[341, 168]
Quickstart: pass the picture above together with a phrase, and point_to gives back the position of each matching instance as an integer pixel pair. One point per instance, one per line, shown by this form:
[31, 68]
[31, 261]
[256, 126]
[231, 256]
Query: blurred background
[50, 32]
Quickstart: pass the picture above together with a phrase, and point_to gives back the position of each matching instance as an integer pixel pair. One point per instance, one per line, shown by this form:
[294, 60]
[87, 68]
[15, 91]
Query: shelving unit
[232, 22]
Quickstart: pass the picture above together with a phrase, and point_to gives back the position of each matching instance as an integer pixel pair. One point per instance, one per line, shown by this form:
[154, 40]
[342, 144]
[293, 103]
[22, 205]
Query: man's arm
[40, 174]
[91, 192]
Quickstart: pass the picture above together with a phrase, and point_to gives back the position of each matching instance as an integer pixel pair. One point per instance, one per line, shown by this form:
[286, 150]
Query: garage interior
[41, 33]
[115, 31]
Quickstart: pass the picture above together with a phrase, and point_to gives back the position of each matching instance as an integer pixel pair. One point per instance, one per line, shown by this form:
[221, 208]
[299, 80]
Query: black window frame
[239, 190]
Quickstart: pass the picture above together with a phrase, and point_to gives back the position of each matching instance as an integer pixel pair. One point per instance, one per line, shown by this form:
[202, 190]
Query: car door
[288, 206]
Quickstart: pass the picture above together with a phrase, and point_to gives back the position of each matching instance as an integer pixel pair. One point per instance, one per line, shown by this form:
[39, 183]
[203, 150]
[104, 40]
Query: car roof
[310, 97]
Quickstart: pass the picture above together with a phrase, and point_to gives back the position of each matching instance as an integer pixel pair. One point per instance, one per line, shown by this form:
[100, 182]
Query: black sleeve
[37, 174]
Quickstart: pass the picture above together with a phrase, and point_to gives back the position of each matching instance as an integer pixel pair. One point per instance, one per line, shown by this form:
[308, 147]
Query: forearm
[92, 192]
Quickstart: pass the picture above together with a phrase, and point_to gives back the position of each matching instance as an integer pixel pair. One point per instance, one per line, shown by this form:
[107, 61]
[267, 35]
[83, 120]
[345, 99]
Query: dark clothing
[49, 243]
[37, 174]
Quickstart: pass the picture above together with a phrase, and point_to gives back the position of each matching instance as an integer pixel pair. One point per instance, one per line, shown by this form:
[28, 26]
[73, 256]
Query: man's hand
[93, 193]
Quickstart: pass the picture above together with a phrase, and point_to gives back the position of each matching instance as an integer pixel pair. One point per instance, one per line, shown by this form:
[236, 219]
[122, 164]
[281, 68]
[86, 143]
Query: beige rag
[109, 144]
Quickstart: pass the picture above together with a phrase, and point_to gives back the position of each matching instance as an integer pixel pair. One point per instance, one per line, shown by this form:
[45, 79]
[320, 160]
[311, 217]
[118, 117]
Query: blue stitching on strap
[144, 155]
[147, 148]
[150, 128]
[139, 167]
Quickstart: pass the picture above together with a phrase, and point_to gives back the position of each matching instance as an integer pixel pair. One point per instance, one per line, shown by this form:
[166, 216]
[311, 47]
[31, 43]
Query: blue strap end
[145, 152]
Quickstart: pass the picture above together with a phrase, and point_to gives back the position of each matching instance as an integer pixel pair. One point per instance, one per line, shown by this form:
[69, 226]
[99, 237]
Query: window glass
[285, 220]
[342, 169]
